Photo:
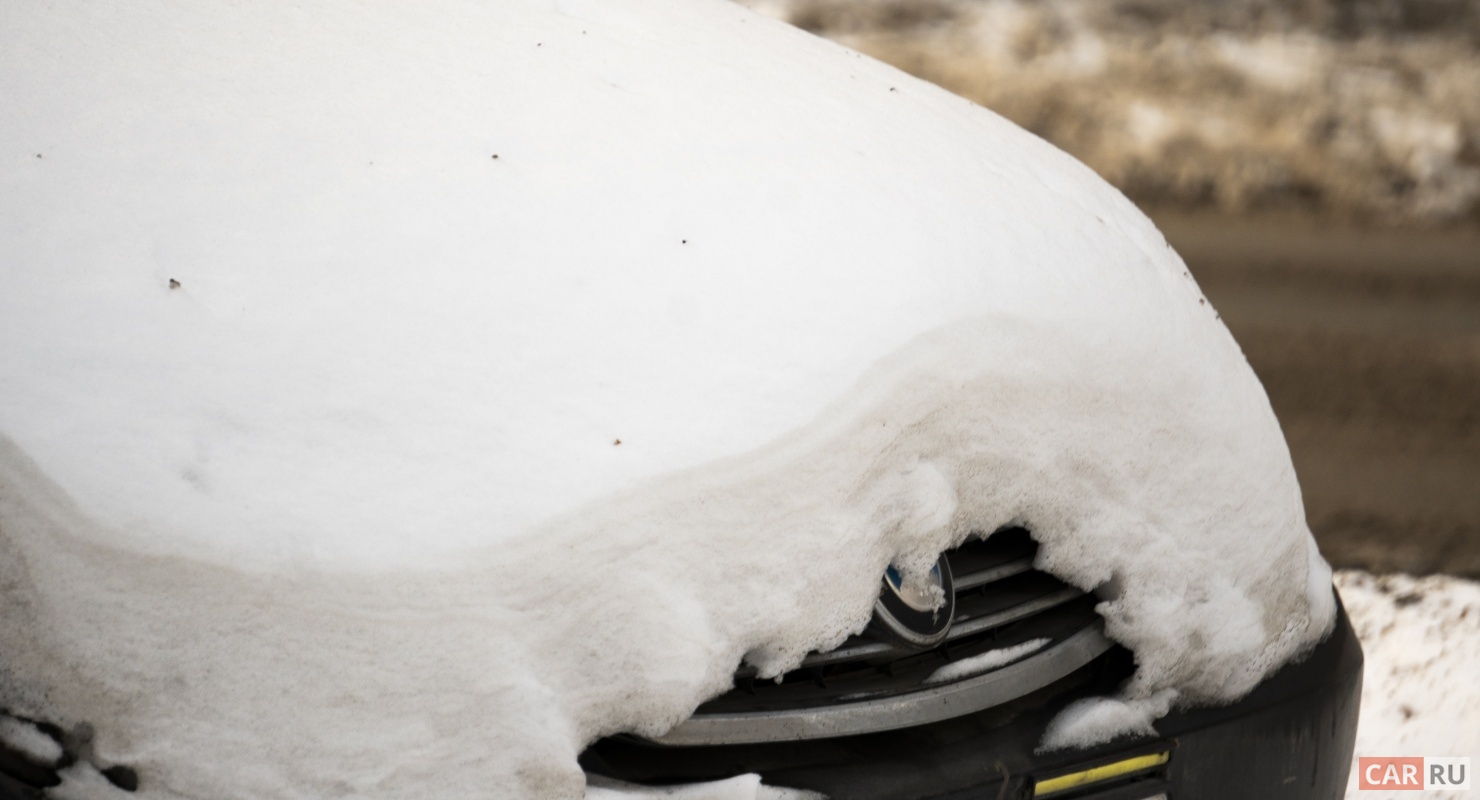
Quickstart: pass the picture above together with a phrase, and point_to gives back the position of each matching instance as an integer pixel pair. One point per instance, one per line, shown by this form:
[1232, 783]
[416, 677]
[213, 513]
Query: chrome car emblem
[908, 614]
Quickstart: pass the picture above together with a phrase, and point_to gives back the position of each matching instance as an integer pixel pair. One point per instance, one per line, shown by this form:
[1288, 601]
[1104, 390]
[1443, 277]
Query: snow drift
[396, 397]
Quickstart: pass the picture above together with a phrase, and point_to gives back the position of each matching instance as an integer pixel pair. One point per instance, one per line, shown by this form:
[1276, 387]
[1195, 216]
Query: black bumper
[1290, 738]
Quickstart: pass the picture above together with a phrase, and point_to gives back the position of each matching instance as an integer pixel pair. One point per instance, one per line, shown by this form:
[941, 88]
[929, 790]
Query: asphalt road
[1368, 342]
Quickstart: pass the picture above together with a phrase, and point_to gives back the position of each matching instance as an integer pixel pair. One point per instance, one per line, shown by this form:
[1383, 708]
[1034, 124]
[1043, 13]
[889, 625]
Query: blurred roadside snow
[1368, 111]
[1421, 687]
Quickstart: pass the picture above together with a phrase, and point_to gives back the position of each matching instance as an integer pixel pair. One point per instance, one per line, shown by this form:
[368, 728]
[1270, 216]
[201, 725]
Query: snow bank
[403, 396]
[1421, 640]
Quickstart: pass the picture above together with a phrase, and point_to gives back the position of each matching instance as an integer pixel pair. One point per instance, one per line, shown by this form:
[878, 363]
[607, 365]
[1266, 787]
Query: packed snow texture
[740, 787]
[1420, 694]
[991, 659]
[83, 781]
[397, 396]
[1368, 110]
[1092, 720]
[26, 739]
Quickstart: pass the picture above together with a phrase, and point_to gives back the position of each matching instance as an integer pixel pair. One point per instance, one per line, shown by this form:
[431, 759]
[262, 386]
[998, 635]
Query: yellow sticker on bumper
[1074, 780]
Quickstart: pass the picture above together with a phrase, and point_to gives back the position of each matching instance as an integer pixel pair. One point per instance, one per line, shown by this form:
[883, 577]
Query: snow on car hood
[401, 396]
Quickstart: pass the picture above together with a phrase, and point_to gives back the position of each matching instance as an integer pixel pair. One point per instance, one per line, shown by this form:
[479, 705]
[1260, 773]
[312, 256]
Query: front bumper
[1290, 738]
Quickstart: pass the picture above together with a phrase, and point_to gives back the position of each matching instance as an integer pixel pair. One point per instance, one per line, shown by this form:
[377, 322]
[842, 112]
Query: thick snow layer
[1420, 696]
[401, 396]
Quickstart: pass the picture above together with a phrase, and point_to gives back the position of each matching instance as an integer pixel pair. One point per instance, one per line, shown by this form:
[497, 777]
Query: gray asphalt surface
[1368, 342]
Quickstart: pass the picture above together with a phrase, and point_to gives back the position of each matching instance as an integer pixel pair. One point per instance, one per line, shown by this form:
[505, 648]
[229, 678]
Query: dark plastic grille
[1001, 601]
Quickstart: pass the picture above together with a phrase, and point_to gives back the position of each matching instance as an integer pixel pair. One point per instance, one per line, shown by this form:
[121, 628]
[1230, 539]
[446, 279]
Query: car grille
[871, 684]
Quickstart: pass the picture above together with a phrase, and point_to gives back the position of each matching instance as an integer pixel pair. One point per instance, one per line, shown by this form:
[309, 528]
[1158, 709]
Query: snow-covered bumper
[1291, 738]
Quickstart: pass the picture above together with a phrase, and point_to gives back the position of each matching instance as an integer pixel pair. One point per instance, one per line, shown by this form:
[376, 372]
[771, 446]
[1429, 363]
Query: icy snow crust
[342, 458]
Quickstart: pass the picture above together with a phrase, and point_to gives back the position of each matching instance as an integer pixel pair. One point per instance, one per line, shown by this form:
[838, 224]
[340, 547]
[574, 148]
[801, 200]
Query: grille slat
[859, 652]
[981, 578]
[971, 627]
[859, 649]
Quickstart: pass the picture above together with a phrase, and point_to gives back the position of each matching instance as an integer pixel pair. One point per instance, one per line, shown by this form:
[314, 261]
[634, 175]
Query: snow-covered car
[446, 399]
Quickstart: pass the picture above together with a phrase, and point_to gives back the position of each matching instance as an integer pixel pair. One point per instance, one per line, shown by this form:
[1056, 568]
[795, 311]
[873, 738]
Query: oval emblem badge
[908, 615]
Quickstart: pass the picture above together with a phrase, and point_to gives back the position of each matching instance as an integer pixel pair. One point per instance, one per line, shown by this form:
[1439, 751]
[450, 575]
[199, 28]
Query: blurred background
[1317, 164]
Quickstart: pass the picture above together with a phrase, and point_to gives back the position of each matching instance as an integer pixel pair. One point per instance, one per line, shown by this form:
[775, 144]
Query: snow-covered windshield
[396, 397]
